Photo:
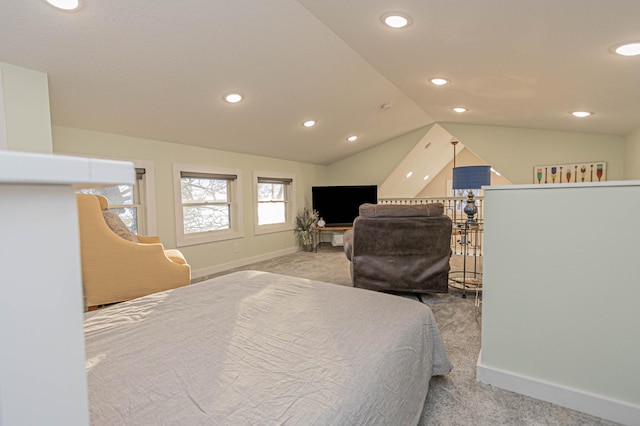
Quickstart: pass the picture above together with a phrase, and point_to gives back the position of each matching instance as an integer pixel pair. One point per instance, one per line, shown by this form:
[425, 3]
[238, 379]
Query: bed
[253, 348]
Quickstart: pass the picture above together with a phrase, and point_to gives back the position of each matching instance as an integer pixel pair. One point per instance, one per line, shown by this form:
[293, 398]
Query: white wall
[632, 155]
[437, 186]
[3, 122]
[512, 151]
[369, 167]
[515, 151]
[374, 165]
[210, 257]
[26, 120]
[560, 317]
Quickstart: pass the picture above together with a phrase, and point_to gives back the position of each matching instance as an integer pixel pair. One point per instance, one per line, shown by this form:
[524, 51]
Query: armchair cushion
[117, 226]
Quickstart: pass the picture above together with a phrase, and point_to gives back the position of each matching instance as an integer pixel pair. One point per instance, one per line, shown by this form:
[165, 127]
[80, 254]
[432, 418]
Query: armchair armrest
[148, 240]
[176, 256]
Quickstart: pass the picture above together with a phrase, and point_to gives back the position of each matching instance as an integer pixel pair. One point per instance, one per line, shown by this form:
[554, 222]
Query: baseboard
[199, 273]
[595, 405]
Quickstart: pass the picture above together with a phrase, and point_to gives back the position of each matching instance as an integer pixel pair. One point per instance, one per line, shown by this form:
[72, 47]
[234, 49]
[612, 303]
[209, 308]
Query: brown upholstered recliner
[400, 248]
[118, 265]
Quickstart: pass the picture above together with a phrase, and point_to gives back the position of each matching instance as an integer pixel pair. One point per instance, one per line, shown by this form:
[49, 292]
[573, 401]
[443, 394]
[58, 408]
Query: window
[126, 201]
[271, 202]
[208, 208]
[275, 209]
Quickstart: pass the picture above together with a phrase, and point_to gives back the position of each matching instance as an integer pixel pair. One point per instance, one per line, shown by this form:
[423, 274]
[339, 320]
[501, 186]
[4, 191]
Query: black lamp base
[471, 209]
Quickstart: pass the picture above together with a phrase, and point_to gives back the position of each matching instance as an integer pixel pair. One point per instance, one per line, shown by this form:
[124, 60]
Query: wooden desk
[333, 229]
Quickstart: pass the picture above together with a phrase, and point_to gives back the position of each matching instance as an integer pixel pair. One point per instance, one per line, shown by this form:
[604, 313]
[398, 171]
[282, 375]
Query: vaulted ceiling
[159, 69]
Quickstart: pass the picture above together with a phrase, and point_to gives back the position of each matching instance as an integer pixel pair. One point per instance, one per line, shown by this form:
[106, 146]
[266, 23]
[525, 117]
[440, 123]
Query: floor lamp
[471, 177]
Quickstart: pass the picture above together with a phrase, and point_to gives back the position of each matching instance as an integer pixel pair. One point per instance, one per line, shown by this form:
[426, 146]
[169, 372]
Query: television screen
[338, 205]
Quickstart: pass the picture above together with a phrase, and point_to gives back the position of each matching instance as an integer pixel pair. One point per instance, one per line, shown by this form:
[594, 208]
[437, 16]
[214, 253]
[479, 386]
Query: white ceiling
[158, 69]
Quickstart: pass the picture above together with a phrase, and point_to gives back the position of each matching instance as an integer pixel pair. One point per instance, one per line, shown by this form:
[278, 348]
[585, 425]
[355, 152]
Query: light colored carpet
[455, 399]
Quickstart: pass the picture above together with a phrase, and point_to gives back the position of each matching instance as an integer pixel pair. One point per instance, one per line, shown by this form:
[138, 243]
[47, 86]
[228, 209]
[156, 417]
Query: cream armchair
[118, 265]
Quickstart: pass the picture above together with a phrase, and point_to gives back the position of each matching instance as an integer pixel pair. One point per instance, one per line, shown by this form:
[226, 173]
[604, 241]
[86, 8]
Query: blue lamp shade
[471, 177]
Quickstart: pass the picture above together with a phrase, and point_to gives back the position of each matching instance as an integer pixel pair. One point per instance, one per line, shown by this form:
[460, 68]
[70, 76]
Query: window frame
[235, 206]
[290, 202]
[147, 223]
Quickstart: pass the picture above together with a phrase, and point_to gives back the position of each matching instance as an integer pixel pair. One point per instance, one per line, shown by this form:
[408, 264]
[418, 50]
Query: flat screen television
[338, 205]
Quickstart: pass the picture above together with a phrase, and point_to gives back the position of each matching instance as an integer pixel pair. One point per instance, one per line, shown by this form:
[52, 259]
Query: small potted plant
[306, 220]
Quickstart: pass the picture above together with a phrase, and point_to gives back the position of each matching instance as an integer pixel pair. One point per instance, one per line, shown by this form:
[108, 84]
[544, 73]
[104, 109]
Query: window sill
[207, 237]
[270, 229]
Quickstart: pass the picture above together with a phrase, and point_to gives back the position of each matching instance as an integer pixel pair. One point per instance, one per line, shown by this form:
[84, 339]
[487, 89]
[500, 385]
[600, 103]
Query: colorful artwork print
[570, 173]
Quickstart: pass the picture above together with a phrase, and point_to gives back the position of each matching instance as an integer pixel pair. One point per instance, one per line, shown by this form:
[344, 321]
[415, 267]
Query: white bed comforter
[254, 348]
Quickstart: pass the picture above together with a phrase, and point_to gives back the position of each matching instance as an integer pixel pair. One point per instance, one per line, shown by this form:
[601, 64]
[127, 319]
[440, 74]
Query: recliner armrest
[348, 243]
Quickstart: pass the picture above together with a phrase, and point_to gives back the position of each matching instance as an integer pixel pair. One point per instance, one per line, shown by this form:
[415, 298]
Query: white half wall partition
[3, 120]
[560, 316]
[42, 361]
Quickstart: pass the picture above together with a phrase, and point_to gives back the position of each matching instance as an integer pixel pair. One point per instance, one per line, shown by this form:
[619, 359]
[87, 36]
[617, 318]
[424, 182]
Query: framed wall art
[570, 173]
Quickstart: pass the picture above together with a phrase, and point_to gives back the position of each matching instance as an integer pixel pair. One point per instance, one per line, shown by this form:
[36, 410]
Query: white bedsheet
[254, 348]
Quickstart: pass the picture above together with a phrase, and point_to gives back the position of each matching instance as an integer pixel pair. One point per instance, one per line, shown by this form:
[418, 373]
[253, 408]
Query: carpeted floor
[455, 399]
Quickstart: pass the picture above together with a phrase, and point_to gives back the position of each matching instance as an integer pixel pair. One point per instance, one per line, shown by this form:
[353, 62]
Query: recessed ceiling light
[459, 109]
[233, 98]
[630, 49]
[439, 81]
[352, 138]
[581, 114]
[309, 123]
[65, 4]
[409, 174]
[396, 20]
[426, 177]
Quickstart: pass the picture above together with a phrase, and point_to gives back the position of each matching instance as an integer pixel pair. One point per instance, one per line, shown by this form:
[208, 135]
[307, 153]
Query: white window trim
[151, 224]
[278, 227]
[237, 228]
[149, 196]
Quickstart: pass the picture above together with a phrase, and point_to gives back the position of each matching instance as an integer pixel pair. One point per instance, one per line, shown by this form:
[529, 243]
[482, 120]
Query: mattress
[255, 348]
